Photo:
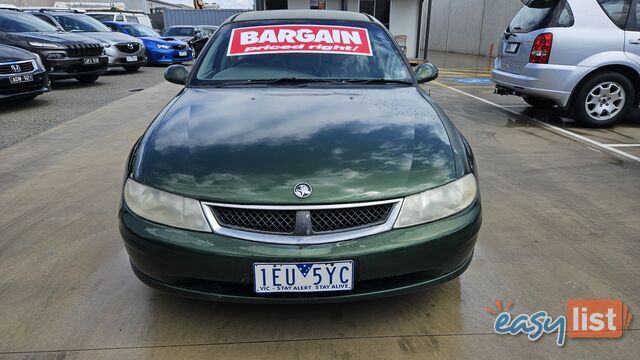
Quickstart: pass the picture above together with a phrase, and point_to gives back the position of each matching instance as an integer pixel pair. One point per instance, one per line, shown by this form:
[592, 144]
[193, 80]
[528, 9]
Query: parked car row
[39, 45]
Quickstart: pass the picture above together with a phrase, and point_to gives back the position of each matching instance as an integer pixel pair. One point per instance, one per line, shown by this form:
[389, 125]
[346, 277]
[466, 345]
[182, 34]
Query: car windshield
[15, 21]
[80, 23]
[102, 17]
[313, 50]
[178, 31]
[138, 30]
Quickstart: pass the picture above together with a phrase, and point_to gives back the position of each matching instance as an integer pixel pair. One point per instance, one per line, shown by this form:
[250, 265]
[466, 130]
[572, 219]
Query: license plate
[20, 79]
[303, 277]
[91, 61]
[132, 58]
[182, 53]
[512, 48]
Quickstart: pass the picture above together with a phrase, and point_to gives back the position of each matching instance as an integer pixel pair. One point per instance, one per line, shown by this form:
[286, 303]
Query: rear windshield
[529, 19]
[15, 21]
[301, 49]
[178, 31]
[542, 14]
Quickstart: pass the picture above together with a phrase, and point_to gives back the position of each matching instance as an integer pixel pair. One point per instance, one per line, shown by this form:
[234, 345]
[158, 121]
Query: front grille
[329, 220]
[301, 222]
[129, 48]
[82, 49]
[271, 221]
[16, 68]
[180, 47]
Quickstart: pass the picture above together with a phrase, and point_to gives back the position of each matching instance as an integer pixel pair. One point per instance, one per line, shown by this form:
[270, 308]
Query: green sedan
[302, 162]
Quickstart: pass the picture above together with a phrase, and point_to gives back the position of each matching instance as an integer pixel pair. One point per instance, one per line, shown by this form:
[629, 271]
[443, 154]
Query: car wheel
[539, 103]
[603, 100]
[87, 78]
[131, 69]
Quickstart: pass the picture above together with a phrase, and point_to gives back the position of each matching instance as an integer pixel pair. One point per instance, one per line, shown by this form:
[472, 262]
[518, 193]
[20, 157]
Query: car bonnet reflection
[253, 145]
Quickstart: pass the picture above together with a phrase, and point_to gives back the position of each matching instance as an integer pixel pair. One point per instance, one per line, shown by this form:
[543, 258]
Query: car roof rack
[9, 7]
[52, 9]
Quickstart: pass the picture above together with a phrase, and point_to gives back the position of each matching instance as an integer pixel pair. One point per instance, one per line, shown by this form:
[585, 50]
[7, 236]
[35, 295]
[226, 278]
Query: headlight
[164, 208]
[162, 46]
[45, 45]
[438, 203]
[39, 62]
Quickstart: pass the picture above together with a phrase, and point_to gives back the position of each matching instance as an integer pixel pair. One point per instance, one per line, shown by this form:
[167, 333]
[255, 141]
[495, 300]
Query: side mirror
[176, 74]
[426, 72]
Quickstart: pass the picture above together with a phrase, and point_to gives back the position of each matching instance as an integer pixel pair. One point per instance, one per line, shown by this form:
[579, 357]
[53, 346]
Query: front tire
[87, 79]
[603, 100]
[539, 103]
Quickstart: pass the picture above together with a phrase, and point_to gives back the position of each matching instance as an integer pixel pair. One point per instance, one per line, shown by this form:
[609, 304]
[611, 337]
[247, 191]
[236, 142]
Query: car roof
[301, 15]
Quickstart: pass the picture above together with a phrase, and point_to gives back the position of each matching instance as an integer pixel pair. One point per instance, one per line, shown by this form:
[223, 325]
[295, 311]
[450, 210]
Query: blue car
[160, 50]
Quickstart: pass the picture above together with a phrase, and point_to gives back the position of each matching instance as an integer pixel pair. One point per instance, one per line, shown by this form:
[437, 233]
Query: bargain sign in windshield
[299, 39]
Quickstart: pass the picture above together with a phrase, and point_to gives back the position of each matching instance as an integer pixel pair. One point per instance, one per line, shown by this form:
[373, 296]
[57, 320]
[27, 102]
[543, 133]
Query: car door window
[119, 18]
[616, 10]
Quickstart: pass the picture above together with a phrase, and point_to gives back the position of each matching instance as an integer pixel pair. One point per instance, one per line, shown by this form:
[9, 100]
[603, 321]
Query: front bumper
[39, 85]
[168, 56]
[66, 68]
[118, 58]
[215, 267]
[553, 82]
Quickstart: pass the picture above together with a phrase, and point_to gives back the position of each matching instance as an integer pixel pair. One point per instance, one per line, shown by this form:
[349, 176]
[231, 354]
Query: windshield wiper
[379, 81]
[303, 81]
[279, 81]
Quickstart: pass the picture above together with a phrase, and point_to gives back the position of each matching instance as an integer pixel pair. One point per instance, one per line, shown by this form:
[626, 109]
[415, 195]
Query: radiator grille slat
[285, 221]
[24, 67]
[350, 218]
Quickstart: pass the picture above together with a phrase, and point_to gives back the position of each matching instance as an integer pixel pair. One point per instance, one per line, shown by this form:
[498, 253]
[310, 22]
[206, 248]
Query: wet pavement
[561, 221]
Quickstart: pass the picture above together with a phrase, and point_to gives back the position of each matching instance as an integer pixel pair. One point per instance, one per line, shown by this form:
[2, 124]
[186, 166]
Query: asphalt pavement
[68, 100]
[560, 223]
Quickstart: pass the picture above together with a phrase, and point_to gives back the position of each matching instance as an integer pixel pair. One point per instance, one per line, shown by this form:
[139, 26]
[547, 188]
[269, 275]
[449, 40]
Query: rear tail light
[541, 49]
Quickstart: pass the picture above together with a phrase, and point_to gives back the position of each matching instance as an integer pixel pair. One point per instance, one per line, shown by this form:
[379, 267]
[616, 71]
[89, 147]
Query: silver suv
[582, 55]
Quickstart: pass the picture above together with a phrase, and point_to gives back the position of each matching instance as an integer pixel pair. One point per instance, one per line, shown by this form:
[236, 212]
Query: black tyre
[87, 78]
[539, 103]
[131, 69]
[603, 99]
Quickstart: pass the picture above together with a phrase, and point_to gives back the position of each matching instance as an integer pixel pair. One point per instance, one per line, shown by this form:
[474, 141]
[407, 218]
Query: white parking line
[623, 145]
[560, 131]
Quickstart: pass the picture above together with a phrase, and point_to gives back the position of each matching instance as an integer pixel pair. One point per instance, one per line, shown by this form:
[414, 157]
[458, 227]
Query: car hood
[111, 37]
[166, 40]
[58, 38]
[253, 145]
[10, 53]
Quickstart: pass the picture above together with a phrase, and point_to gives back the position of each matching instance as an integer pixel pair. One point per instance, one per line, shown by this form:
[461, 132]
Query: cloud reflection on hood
[255, 144]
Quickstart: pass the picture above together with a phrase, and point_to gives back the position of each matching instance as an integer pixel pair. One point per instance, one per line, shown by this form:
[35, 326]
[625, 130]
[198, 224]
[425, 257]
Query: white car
[121, 17]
